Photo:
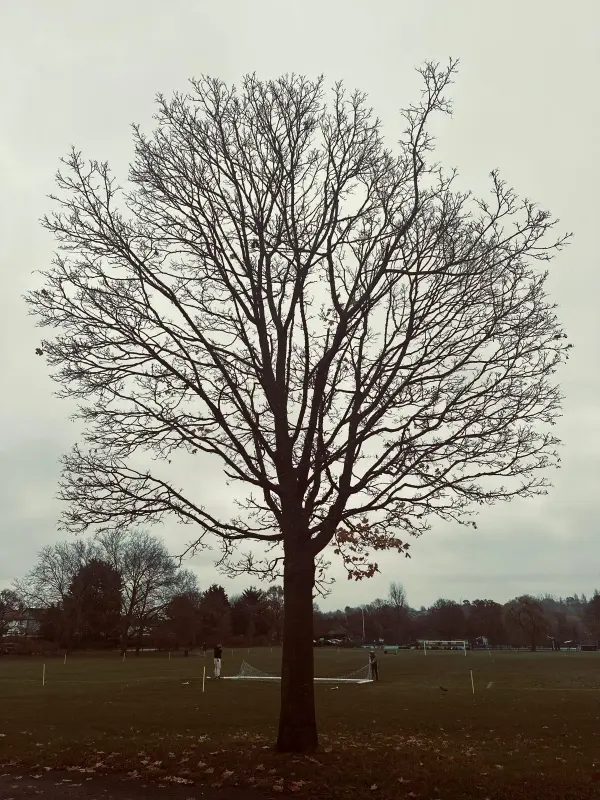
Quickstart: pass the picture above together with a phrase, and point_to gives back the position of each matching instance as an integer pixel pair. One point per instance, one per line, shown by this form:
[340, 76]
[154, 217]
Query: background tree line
[125, 590]
[525, 621]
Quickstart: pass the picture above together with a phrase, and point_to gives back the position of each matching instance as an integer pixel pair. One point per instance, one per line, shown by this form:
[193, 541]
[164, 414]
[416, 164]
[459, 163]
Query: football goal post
[444, 644]
[249, 673]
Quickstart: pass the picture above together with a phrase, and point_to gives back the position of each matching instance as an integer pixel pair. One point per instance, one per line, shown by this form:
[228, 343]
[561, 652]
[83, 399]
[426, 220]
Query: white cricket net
[250, 673]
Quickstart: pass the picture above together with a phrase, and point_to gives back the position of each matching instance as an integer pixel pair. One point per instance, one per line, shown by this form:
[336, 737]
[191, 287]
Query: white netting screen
[248, 672]
[362, 674]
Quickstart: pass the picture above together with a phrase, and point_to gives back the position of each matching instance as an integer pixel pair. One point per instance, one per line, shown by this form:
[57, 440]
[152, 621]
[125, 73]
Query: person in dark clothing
[218, 653]
[373, 665]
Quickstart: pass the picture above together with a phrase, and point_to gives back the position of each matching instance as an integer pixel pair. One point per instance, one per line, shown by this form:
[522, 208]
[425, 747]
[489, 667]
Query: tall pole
[363, 622]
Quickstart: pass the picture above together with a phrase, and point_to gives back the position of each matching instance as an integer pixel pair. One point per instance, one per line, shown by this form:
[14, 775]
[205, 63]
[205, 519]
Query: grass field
[531, 730]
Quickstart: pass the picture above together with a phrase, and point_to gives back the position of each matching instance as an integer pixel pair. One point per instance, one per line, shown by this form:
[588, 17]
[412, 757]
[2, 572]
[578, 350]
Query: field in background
[531, 730]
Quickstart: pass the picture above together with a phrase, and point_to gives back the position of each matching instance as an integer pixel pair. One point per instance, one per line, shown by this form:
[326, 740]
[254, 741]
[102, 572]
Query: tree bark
[297, 719]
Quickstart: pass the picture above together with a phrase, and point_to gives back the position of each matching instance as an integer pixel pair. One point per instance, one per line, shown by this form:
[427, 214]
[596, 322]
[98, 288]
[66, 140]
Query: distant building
[23, 623]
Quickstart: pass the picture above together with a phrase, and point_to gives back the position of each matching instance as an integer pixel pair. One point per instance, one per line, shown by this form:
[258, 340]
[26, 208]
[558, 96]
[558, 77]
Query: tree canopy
[347, 332]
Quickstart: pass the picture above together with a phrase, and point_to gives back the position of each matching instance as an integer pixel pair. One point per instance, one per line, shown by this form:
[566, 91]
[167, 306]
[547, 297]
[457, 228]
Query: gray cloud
[524, 102]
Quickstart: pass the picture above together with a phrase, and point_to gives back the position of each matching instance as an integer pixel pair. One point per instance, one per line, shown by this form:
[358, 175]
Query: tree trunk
[124, 637]
[297, 719]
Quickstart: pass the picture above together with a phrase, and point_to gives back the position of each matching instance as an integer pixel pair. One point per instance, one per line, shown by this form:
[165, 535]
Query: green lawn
[531, 730]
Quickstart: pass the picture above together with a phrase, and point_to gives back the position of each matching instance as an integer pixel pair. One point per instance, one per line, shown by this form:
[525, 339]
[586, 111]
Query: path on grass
[57, 786]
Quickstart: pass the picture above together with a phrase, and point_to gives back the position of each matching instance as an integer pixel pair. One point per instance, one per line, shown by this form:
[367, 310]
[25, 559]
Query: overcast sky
[525, 101]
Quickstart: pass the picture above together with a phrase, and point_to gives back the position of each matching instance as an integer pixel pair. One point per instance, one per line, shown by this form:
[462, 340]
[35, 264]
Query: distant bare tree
[361, 345]
[400, 612]
[149, 578]
[49, 579]
[276, 607]
[397, 596]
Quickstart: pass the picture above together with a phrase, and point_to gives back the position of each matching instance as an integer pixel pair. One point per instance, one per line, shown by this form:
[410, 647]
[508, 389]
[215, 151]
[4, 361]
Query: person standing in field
[373, 665]
[218, 653]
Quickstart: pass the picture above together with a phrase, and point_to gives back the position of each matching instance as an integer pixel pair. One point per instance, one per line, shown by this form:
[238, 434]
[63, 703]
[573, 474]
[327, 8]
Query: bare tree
[275, 606]
[361, 345]
[56, 566]
[397, 597]
[149, 578]
[400, 611]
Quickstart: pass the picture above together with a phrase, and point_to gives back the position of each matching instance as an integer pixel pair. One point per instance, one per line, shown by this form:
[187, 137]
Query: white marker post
[203, 678]
[65, 661]
[424, 648]
[123, 655]
[472, 684]
[44, 675]
[169, 655]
